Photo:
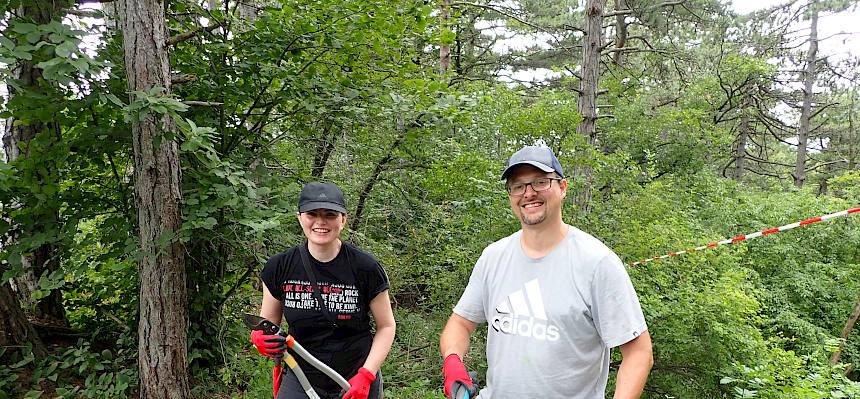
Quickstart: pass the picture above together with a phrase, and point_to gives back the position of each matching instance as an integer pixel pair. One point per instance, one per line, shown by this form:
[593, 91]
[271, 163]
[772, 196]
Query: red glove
[455, 371]
[359, 384]
[269, 345]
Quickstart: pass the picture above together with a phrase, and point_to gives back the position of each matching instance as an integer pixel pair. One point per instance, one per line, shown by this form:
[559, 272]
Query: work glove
[269, 345]
[359, 384]
[455, 373]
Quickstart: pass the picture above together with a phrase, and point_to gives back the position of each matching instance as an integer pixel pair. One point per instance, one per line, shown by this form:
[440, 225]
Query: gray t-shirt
[551, 321]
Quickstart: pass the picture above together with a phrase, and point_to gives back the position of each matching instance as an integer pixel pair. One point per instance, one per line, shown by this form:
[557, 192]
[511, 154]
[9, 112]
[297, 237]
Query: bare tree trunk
[17, 144]
[248, 10]
[741, 142]
[377, 171]
[853, 135]
[325, 145]
[15, 329]
[806, 109]
[620, 32]
[163, 326]
[445, 49]
[592, 43]
[849, 325]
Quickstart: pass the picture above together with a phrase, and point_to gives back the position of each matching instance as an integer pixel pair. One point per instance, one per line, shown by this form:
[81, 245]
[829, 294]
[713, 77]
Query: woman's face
[322, 226]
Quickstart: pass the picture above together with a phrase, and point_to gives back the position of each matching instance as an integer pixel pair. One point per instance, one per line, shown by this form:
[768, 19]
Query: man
[555, 299]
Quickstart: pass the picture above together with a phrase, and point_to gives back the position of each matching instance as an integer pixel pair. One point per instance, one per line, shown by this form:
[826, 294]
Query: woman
[353, 286]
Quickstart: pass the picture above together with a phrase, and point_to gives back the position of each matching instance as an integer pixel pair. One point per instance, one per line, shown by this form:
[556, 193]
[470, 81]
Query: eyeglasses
[540, 184]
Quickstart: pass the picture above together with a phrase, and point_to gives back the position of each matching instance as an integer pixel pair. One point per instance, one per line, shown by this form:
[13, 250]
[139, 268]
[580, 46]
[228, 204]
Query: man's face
[322, 226]
[534, 207]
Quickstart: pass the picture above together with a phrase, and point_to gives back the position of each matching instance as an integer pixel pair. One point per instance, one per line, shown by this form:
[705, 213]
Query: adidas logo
[322, 195]
[522, 313]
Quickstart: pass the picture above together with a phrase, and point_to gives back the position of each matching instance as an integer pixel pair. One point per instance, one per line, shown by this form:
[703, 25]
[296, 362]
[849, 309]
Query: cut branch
[617, 13]
[177, 79]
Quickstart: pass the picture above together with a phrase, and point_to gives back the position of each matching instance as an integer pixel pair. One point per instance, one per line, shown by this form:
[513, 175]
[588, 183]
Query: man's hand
[359, 384]
[269, 345]
[455, 371]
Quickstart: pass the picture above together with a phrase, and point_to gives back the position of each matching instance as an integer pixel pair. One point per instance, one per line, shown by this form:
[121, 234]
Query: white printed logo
[524, 315]
[322, 195]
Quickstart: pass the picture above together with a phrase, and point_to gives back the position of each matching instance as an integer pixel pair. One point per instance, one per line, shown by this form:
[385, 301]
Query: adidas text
[526, 327]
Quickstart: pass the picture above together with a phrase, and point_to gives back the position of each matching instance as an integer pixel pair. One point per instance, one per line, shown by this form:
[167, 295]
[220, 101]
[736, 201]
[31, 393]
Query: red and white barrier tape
[751, 236]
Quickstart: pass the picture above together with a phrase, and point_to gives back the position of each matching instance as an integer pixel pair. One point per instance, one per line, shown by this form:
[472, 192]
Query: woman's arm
[380, 308]
[272, 309]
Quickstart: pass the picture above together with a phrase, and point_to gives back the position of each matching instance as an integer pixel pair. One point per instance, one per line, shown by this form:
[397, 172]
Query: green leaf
[33, 37]
[24, 28]
[115, 100]
[65, 49]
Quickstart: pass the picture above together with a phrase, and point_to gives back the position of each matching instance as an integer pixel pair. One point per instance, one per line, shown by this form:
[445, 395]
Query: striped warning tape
[751, 236]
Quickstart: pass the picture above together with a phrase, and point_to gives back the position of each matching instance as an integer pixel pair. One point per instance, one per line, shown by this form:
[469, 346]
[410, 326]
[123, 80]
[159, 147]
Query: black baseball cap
[316, 195]
[540, 157]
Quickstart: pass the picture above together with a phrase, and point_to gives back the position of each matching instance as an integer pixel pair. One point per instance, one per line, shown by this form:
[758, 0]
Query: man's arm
[455, 336]
[636, 362]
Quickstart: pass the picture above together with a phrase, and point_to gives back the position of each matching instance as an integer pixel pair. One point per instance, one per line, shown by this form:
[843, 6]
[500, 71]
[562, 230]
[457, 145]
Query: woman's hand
[359, 384]
[269, 345]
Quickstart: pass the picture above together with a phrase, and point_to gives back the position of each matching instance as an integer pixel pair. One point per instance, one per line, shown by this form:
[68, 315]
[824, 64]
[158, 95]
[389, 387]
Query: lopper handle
[460, 391]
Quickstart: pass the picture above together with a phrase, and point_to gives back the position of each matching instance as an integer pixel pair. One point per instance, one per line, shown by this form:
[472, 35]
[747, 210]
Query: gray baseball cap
[540, 157]
[317, 195]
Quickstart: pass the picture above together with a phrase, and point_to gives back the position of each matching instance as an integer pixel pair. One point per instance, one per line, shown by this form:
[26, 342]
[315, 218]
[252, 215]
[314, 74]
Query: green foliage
[347, 92]
[847, 186]
[79, 371]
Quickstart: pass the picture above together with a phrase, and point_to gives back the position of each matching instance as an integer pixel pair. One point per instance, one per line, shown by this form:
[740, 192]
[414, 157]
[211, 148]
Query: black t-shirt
[347, 283]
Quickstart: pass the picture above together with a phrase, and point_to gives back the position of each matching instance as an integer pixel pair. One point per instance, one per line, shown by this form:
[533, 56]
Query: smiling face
[536, 207]
[322, 226]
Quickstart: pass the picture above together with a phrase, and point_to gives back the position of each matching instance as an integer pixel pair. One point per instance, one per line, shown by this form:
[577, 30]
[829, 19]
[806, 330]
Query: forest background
[154, 152]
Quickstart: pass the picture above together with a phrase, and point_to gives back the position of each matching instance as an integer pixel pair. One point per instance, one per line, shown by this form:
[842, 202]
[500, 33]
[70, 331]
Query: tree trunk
[444, 48]
[163, 326]
[401, 129]
[806, 109]
[248, 11]
[849, 325]
[16, 142]
[592, 43]
[853, 135]
[325, 145]
[741, 142]
[620, 32]
[15, 329]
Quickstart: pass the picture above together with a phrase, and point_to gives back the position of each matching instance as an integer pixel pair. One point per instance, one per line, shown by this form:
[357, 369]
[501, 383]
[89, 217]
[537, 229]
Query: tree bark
[741, 142]
[325, 145]
[849, 325]
[16, 143]
[592, 43]
[799, 174]
[377, 171]
[853, 135]
[620, 32]
[163, 326]
[444, 49]
[15, 329]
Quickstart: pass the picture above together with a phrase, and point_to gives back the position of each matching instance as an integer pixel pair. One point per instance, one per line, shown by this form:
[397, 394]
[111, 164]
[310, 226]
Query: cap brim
[321, 205]
[532, 163]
